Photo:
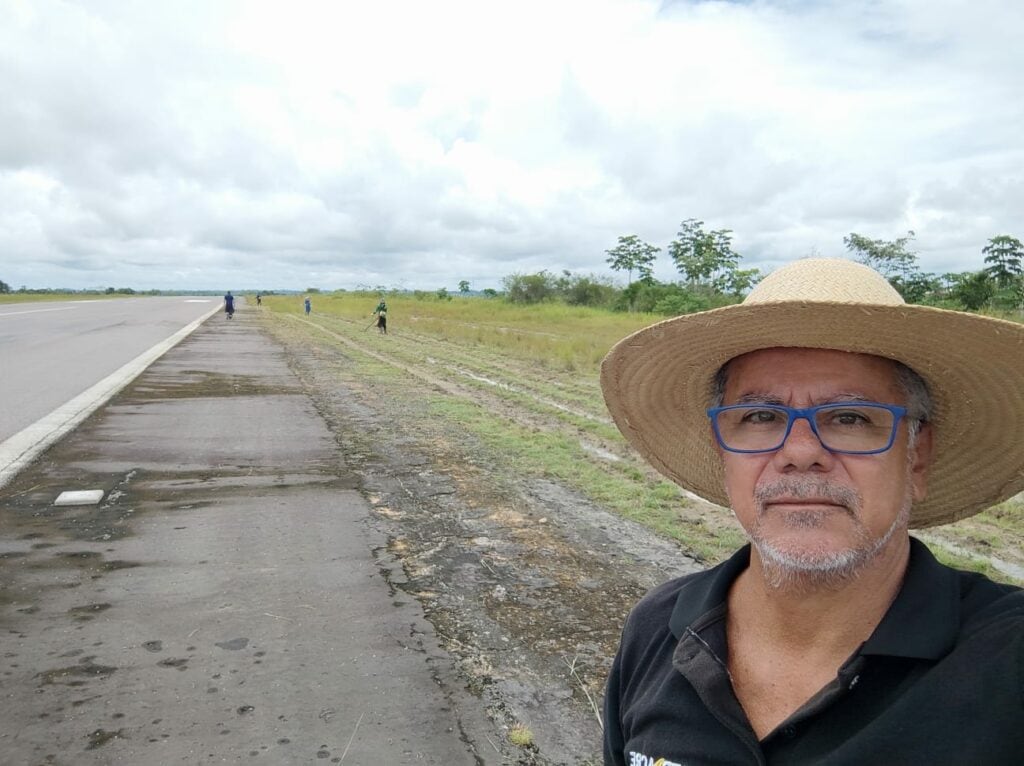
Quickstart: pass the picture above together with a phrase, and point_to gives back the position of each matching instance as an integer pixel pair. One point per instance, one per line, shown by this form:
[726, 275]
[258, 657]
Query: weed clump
[520, 735]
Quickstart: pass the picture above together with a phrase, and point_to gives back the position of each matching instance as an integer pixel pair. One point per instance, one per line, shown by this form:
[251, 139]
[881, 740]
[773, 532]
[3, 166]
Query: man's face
[808, 510]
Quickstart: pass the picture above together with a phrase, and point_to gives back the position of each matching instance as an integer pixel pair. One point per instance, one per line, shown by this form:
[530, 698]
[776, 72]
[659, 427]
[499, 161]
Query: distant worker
[229, 305]
[382, 316]
[309, 306]
[259, 299]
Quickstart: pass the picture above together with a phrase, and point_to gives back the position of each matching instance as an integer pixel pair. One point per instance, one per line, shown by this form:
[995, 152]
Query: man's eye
[848, 418]
[760, 416]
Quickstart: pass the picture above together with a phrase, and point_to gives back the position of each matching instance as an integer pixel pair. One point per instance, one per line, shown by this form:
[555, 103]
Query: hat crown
[825, 280]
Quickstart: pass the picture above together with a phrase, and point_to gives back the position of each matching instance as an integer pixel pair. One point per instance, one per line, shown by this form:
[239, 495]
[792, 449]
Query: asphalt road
[62, 360]
[53, 351]
[227, 601]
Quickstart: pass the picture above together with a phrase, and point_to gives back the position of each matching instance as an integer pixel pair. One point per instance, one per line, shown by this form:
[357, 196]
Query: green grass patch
[971, 564]
[553, 335]
[523, 453]
[1008, 516]
[520, 735]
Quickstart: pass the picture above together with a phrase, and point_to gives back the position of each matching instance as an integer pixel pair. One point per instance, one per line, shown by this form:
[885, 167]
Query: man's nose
[802, 449]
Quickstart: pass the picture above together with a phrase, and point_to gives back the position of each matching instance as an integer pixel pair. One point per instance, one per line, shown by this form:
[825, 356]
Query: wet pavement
[226, 600]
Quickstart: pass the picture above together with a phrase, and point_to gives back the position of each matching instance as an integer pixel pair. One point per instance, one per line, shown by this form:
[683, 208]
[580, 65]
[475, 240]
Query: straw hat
[657, 382]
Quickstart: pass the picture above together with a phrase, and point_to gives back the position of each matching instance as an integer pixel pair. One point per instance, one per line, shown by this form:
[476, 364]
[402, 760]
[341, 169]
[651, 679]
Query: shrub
[530, 288]
[586, 290]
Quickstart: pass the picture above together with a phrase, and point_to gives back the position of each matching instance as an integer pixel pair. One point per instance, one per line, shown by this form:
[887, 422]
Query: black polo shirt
[940, 681]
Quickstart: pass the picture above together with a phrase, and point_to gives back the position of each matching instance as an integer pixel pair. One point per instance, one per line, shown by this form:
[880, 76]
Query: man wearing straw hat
[831, 417]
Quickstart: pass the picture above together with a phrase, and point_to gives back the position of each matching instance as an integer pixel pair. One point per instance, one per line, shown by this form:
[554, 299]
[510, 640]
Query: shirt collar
[925, 616]
[706, 591]
[922, 621]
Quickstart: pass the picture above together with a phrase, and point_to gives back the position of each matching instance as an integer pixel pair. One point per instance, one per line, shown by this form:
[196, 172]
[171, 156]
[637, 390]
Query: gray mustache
[805, 488]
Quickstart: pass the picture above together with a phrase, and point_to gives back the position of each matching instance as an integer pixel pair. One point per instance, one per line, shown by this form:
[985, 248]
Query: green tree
[891, 259]
[739, 281]
[705, 257]
[463, 286]
[971, 289]
[1005, 258]
[4, 287]
[633, 254]
[442, 294]
[919, 287]
[896, 262]
[490, 292]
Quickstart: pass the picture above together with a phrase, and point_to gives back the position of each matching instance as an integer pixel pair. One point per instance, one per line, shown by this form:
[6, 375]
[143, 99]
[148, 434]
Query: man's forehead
[773, 365]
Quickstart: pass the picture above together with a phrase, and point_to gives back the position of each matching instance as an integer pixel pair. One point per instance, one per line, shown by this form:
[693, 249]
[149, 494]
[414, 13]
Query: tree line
[708, 263]
[712, 275]
[998, 285]
[6, 289]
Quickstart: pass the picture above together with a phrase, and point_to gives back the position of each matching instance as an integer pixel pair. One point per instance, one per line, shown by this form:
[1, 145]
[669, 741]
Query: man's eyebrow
[774, 399]
[756, 398]
[847, 397]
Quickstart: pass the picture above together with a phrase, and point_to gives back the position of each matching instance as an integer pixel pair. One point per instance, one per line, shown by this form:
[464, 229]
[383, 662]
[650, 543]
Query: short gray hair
[918, 398]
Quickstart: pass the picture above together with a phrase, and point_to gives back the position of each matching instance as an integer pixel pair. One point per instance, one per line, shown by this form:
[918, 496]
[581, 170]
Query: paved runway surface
[53, 351]
[225, 602]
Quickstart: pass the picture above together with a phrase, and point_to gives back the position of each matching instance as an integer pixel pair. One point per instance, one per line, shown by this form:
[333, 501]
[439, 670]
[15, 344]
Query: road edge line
[30, 442]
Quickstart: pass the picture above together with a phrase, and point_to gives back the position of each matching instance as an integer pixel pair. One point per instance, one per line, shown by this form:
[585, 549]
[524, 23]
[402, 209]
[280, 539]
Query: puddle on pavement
[201, 384]
[70, 675]
[100, 737]
[87, 611]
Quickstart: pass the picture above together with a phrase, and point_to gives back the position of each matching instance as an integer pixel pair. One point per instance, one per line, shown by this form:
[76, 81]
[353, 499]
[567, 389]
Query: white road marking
[36, 311]
[22, 448]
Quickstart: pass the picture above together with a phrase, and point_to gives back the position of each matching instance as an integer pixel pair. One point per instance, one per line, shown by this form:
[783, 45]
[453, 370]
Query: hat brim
[657, 385]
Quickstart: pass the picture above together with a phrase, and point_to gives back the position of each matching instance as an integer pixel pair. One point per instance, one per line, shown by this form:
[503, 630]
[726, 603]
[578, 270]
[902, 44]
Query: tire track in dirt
[575, 390]
[602, 450]
[524, 409]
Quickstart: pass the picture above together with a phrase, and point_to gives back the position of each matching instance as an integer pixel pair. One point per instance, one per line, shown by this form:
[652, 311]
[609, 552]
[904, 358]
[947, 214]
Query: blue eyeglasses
[852, 428]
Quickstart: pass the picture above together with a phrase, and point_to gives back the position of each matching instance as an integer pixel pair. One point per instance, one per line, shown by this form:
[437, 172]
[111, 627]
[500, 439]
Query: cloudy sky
[213, 144]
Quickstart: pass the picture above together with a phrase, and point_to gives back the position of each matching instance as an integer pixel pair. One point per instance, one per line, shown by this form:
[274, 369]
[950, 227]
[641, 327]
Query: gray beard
[808, 570]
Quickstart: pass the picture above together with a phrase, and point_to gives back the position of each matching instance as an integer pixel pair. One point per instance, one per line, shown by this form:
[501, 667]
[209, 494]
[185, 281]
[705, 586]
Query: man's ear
[921, 460]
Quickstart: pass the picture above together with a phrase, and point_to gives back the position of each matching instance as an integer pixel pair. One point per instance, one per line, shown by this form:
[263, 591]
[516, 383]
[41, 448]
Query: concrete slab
[79, 497]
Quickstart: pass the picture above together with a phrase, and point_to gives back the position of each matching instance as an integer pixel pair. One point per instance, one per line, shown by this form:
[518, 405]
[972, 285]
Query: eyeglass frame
[807, 413]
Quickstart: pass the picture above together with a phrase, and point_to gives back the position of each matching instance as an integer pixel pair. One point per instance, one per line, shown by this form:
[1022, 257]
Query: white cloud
[417, 144]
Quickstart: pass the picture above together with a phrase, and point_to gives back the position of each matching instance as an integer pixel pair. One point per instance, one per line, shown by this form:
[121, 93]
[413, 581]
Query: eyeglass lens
[842, 427]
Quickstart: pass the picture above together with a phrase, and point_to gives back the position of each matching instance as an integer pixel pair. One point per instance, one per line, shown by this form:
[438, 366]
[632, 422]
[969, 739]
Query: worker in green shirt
[381, 313]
